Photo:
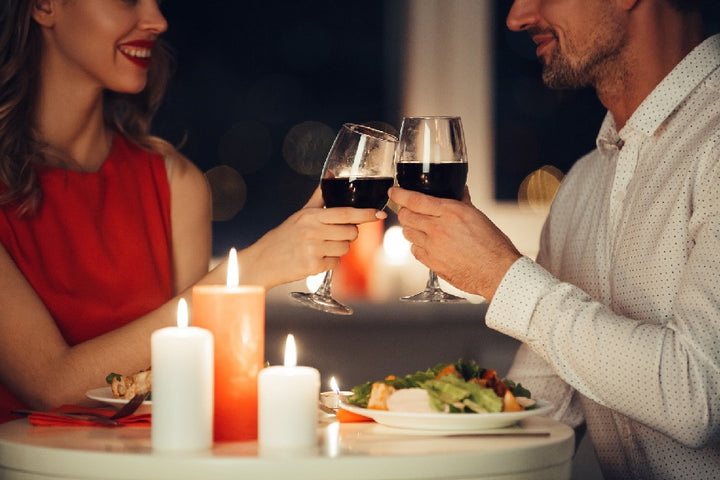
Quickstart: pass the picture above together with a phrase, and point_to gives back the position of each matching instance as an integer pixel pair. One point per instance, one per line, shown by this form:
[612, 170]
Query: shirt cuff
[514, 302]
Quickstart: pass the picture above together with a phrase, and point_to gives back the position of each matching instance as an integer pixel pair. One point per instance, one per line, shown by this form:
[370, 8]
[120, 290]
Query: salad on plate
[460, 387]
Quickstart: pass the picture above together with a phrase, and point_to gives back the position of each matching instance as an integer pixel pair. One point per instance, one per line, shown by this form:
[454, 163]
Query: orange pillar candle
[235, 314]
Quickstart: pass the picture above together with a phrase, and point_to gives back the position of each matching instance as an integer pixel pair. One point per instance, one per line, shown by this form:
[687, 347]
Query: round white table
[538, 448]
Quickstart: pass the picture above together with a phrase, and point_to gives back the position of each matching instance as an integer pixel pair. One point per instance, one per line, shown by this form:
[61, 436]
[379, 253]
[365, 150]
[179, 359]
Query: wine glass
[431, 159]
[358, 172]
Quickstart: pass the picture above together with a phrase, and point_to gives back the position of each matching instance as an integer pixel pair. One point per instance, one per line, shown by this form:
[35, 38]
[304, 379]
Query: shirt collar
[667, 96]
[608, 139]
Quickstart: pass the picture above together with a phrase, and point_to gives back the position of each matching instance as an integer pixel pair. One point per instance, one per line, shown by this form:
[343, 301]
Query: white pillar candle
[288, 403]
[182, 390]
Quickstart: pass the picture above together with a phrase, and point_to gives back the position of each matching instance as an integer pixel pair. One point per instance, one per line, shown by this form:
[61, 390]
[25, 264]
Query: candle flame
[334, 385]
[290, 351]
[182, 314]
[233, 274]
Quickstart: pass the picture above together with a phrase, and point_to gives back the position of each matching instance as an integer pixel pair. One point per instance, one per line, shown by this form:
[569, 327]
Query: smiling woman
[103, 226]
[83, 32]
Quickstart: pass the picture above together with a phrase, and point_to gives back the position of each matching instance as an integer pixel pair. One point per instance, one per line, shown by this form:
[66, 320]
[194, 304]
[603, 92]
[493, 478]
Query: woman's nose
[151, 18]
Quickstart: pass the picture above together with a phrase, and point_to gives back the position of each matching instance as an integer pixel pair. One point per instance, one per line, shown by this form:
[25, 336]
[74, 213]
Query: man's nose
[523, 15]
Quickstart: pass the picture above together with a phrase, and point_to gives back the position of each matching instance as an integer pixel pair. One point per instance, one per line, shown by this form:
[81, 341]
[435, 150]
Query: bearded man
[619, 315]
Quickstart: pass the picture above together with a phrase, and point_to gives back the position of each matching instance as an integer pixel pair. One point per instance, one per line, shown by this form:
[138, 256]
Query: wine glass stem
[432, 283]
[324, 289]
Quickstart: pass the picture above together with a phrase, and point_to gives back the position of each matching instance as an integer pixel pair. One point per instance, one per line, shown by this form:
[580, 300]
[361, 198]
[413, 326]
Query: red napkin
[50, 418]
[346, 416]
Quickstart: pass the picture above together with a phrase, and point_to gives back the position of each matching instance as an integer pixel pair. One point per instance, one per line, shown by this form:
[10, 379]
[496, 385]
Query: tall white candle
[288, 403]
[182, 391]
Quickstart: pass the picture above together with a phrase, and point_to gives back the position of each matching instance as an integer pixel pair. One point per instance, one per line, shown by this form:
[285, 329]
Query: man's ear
[44, 12]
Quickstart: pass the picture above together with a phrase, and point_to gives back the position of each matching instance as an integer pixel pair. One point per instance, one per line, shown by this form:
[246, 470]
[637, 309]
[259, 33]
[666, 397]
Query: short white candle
[332, 398]
[288, 403]
[182, 390]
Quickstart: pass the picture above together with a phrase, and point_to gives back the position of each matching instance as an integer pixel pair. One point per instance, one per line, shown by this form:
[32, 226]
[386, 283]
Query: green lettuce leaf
[460, 396]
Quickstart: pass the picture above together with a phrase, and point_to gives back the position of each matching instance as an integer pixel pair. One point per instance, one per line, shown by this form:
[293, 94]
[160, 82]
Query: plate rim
[381, 416]
[104, 394]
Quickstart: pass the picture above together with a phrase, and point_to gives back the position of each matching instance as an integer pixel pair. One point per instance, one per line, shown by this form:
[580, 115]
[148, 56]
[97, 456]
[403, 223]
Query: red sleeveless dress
[98, 251]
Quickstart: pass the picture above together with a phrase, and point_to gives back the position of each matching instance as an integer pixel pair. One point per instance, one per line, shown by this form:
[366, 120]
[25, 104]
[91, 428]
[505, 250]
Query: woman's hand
[310, 241]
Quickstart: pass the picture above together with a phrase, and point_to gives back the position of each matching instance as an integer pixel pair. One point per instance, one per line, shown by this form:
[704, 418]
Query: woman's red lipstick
[138, 52]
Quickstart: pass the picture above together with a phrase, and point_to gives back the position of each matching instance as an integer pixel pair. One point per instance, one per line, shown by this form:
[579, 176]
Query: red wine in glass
[358, 172]
[443, 180]
[431, 159]
[366, 192]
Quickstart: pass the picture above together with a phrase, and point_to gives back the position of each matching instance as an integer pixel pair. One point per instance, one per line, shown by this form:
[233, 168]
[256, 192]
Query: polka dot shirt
[620, 315]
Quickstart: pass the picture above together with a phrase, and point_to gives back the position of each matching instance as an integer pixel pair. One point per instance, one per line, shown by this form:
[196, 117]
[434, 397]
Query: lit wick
[334, 385]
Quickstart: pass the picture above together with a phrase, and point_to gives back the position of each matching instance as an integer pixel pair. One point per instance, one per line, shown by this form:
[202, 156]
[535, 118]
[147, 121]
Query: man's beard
[593, 67]
[559, 74]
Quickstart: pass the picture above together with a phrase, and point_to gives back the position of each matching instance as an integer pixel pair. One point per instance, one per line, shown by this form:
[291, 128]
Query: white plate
[457, 422]
[104, 395]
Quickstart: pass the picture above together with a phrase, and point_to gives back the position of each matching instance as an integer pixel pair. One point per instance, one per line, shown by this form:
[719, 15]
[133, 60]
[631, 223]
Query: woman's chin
[129, 87]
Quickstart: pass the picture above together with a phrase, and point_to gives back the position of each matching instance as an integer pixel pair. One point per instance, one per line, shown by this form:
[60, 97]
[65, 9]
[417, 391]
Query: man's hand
[456, 240]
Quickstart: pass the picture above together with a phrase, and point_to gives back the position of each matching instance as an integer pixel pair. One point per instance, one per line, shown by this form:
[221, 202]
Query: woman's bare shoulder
[183, 174]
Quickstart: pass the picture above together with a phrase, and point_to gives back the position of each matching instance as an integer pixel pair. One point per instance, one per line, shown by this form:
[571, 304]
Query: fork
[130, 407]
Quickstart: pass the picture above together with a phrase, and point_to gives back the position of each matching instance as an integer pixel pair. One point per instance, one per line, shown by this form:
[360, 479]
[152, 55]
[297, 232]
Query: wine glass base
[320, 302]
[434, 295]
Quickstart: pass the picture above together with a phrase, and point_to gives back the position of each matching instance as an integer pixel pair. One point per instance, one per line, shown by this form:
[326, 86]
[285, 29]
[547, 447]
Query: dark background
[534, 126]
[250, 75]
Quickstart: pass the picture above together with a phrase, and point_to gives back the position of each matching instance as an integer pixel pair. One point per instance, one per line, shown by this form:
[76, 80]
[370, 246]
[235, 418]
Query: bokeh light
[396, 247]
[306, 145]
[538, 189]
[229, 192]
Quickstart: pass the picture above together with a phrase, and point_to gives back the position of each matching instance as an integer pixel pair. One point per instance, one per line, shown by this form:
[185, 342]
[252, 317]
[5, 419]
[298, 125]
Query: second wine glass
[431, 159]
[358, 172]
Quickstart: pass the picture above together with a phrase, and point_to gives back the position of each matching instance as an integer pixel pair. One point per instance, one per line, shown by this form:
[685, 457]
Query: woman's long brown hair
[21, 149]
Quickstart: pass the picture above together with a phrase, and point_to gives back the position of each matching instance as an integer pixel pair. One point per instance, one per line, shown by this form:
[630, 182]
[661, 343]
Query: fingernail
[380, 215]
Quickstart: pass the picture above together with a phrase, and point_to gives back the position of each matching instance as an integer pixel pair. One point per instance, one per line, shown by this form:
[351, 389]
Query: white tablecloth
[361, 451]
